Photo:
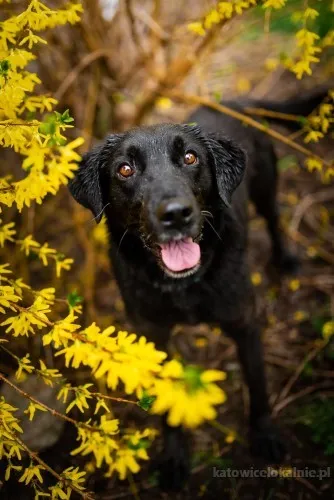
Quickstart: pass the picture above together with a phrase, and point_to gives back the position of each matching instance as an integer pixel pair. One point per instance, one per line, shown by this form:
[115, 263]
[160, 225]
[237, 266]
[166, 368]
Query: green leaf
[142, 443]
[319, 417]
[308, 370]
[146, 401]
[317, 323]
[287, 162]
[74, 298]
[4, 67]
[47, 128]
[217, 96]
[66, 118]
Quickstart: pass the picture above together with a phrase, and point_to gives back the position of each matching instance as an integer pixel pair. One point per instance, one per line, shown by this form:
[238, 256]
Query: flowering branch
[222, 108]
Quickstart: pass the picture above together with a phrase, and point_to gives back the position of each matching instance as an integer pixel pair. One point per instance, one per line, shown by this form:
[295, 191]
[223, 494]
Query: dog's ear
[229, 162]
[86, 187]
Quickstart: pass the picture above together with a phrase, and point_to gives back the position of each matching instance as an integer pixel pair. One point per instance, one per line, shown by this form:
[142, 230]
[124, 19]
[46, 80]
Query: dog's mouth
[180, 258]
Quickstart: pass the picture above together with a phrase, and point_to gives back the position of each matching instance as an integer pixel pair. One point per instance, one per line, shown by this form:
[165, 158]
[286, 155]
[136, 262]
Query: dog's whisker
[206, 212]
[98, 215]
[123, 236]
[212, 227]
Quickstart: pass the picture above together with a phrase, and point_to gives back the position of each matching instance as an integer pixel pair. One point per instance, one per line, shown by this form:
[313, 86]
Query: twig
[95, 394]
[311, 355]
[271, 114]
[112, 398]
[36, 458]
[137, 39]
[23, 124]
[304, 392]
[300, 238]
[306, 203]
[72, 76]
[177, 71]
[50, 410]
[152, 24]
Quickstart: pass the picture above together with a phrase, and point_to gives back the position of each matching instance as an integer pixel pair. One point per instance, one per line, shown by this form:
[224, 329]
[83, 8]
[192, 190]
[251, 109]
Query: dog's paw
[173, 469]
[287, 263]
[266, 441]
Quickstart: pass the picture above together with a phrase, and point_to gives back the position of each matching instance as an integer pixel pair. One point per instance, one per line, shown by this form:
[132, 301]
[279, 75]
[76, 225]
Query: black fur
[219, 292]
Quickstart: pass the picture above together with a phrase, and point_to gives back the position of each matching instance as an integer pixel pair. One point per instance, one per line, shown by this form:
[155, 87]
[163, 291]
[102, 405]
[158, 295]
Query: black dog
[176, 208]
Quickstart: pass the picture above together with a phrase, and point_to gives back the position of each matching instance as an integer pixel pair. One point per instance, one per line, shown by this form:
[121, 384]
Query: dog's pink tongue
[180, 255]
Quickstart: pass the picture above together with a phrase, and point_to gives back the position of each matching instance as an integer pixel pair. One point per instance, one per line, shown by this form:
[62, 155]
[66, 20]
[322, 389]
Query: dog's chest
[191, 305]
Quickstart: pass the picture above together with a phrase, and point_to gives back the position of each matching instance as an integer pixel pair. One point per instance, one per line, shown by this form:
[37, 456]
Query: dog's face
[157, 182]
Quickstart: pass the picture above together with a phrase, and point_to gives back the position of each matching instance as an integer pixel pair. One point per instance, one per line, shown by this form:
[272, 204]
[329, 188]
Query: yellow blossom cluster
[318, 124]
[309, 45]
[222, 12]
[48, 160]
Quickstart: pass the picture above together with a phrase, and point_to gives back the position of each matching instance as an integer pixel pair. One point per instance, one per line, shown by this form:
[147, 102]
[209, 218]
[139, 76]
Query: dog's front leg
[265, 438]
[173, 463]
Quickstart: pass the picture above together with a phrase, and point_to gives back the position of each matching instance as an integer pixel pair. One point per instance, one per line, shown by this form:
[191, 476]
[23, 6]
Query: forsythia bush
[309, 47]
[187, 394]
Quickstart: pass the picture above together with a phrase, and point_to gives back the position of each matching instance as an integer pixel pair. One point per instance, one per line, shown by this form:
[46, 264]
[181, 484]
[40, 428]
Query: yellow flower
[300, 316]
[63, 264]
[24, 366]
[256, 279]
[243, 85]
[310, 13]
[187, 394]
[45, 252]
[100, 233]
[225, 9]
[28, 244]
[230, 438]
[213, 17]
[124, 461]
[313, 136]
[196, 28]
[312, 251]
[30, 411]
[275, 4]
[328, 329]
[294, 285]
[132, 447]
[313, 164]
[7, 295]
[24, 323]
[217, 331]
[163, 103]
[271, 64]
[101, 444]
[6, 233]
[201, 342]
[31, 472]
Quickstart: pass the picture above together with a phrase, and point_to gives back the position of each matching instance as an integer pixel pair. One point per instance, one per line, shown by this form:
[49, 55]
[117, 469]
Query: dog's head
[157, 182]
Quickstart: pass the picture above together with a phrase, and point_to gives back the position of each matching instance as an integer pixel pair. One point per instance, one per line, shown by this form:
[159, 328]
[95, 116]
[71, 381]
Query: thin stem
[112, 398]
[45, 466]
[46, 407]
[63, 381]
[225, 430]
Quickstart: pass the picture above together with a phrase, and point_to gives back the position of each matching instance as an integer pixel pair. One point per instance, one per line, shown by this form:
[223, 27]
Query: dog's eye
[190, 158]
[125, 170]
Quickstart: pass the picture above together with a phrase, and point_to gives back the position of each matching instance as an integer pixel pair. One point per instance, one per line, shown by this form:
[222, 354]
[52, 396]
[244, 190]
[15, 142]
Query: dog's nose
[175, 213]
